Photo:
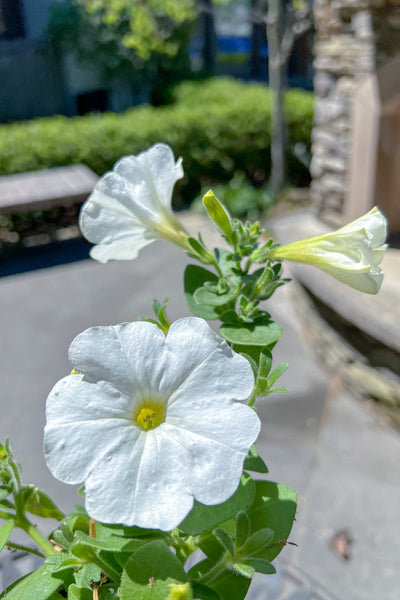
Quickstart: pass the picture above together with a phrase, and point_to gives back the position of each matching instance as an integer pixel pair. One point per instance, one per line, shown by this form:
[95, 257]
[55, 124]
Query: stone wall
[354, 37]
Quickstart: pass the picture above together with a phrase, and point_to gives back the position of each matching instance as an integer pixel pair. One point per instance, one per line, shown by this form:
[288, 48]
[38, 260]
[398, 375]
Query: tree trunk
[278, 127]
[277, 83]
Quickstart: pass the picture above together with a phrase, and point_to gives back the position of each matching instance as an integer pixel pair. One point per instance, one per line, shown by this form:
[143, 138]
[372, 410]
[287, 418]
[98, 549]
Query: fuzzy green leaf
[251, 335]
[5, 532]
[194, 278]
[274, 507]
[39, 585]
[150, 572]
[203, 517]
[41, 505]
[254, 462]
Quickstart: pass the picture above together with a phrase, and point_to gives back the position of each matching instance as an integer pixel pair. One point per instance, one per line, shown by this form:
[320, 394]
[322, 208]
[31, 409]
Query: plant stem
[252, 398]
[6, 515]
[24, 549]
[37, 537]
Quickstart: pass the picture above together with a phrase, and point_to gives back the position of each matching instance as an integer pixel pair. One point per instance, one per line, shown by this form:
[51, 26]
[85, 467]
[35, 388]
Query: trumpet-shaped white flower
[131, 206]
[351, 254]
[152, 422]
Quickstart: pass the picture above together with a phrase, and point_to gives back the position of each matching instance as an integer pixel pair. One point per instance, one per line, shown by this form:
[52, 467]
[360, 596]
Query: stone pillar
[354, 38]
[344, 53]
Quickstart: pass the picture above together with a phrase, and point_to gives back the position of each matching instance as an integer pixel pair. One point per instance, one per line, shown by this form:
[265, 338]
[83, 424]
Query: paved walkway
[333, 449]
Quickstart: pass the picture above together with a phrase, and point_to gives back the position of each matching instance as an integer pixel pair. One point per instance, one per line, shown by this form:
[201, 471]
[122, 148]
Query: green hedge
[218, 126]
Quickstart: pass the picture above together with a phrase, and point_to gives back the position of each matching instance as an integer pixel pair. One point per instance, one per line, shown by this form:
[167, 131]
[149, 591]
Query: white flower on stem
[152, 422]
[351, 254]
[131, 206]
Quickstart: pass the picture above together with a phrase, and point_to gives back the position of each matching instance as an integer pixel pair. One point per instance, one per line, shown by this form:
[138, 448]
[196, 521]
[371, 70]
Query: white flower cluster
[153, 422]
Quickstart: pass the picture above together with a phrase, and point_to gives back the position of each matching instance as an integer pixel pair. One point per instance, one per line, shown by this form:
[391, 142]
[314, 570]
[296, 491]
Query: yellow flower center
[149, 414]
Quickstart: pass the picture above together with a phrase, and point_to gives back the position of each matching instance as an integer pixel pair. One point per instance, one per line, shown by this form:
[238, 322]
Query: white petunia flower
[131, 206]
[152, 422]
[351, 254]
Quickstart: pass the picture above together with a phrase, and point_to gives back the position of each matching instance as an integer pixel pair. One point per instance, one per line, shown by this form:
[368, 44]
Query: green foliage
[113, 39]
[219, 126]
[148, 25]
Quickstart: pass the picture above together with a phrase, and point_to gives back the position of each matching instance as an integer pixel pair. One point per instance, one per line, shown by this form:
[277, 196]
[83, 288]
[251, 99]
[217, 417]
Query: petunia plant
[158, 420]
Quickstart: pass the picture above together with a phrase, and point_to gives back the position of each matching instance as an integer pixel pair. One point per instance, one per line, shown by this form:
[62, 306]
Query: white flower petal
[209, 363]
[374, 222]
[161, 172]
[148, 491]
[217, 447]
[368, 281]
[83, 420]
[133, 357]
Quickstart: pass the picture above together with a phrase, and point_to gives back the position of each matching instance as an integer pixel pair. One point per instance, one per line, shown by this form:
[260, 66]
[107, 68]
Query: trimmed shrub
[219, 126]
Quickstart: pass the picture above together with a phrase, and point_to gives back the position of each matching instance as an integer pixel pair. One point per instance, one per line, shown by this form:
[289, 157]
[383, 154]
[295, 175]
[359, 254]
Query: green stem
[6, 515]
[218, 269]
[24, 549]
[253, 397]
[37, 537]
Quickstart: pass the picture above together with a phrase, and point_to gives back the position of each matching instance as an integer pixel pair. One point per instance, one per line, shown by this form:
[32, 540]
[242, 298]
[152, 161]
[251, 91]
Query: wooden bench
[44, 189]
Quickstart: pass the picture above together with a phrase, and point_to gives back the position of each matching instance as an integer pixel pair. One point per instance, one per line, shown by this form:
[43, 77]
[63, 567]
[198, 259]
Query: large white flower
[153, 421]
[351, 254]
[131, 206]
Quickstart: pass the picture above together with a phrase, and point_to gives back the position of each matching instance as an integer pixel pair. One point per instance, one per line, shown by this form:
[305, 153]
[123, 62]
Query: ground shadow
[41, 257]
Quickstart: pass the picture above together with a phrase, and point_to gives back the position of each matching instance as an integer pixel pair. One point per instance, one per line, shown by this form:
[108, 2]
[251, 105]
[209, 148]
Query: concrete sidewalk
[327, 445]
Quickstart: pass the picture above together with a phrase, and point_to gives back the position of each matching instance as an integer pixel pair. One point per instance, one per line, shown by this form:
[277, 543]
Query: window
[11, 20]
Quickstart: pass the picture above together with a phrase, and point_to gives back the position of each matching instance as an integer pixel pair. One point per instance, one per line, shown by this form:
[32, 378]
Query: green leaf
[150, 572]
[276, 373]
[87, 575]
[204, 295]
[278, 390]
[5, 532]
[112, 543]
[254, 462]
[78, 593]
[194, 278]
[225, 540]
[261, 566]
[201, 251]
[226, 262]
[242, 529]
[256, 541]
[5, 491]
[274, 507]
[251, 335]
[62, 560]
[41, 505]
[160, 310]
[39, 585]
[203, 517]
[230, 585]
[245, 570]
[103, 530]
[203, 592]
